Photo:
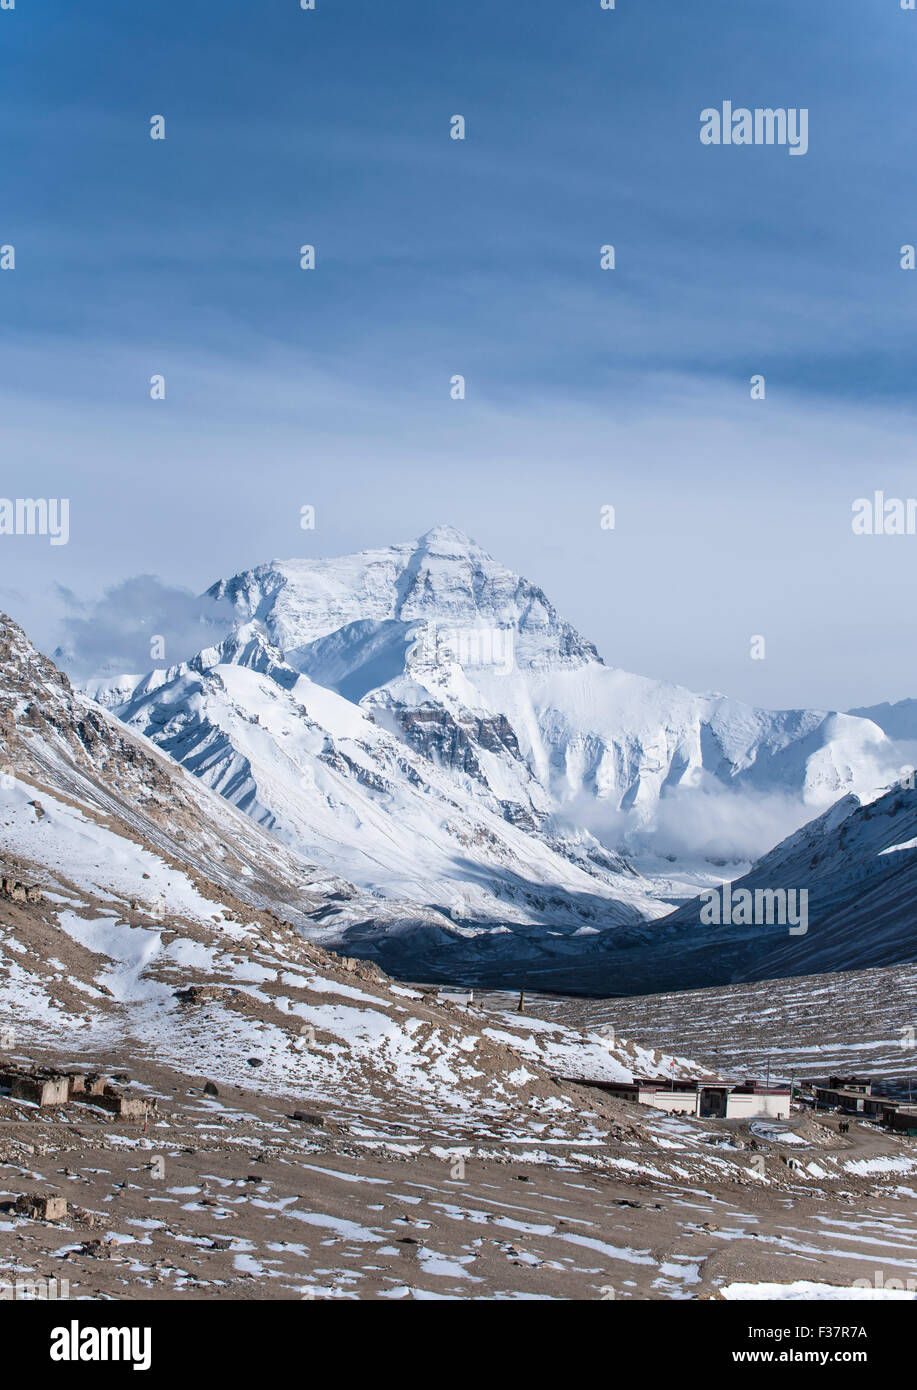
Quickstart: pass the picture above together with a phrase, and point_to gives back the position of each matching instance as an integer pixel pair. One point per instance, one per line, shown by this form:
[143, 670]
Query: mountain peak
[448, 538]
[443, 579]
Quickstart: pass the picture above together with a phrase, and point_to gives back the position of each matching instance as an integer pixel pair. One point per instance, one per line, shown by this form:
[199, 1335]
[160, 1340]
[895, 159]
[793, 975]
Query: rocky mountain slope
[327, 780]
[857, 865]
[146, 917]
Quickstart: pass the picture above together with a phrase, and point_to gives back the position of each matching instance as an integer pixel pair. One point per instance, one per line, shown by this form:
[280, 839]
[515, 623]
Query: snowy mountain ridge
[422, 720]
[164, 924]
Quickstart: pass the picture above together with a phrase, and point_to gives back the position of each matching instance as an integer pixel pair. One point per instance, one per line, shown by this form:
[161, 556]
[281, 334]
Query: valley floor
[846, 1022]
[372, 1202]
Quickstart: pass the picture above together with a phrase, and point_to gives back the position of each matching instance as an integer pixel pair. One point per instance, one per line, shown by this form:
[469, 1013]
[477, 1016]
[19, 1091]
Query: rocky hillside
[143, 915]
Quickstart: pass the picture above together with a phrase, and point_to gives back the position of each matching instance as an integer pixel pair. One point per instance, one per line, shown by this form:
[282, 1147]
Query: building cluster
[851, 1095]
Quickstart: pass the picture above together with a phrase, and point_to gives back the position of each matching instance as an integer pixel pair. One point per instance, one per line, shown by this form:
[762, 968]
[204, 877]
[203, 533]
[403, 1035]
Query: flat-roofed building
[711, 1099]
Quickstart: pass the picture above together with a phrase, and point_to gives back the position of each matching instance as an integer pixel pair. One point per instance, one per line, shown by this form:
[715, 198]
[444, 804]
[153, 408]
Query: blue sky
[480, 257]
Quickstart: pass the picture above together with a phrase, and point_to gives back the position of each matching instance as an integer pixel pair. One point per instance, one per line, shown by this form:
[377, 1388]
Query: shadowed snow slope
[857, 865]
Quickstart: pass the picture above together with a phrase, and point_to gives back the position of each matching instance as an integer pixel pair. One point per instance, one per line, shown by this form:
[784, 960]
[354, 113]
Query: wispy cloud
[136, 625]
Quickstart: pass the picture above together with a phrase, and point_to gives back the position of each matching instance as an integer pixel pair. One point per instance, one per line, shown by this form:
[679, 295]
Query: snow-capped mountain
[859, 864]
[144, 916]
[317, 770]
[856, 864]
[469, 663]
[421, 720]
[898, 720]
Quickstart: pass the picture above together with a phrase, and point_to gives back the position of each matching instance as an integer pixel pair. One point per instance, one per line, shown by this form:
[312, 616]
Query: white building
[724, 1100]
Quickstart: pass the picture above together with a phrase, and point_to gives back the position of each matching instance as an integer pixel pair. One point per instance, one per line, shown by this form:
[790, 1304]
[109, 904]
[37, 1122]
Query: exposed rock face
[453, 742]
[36, 697]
